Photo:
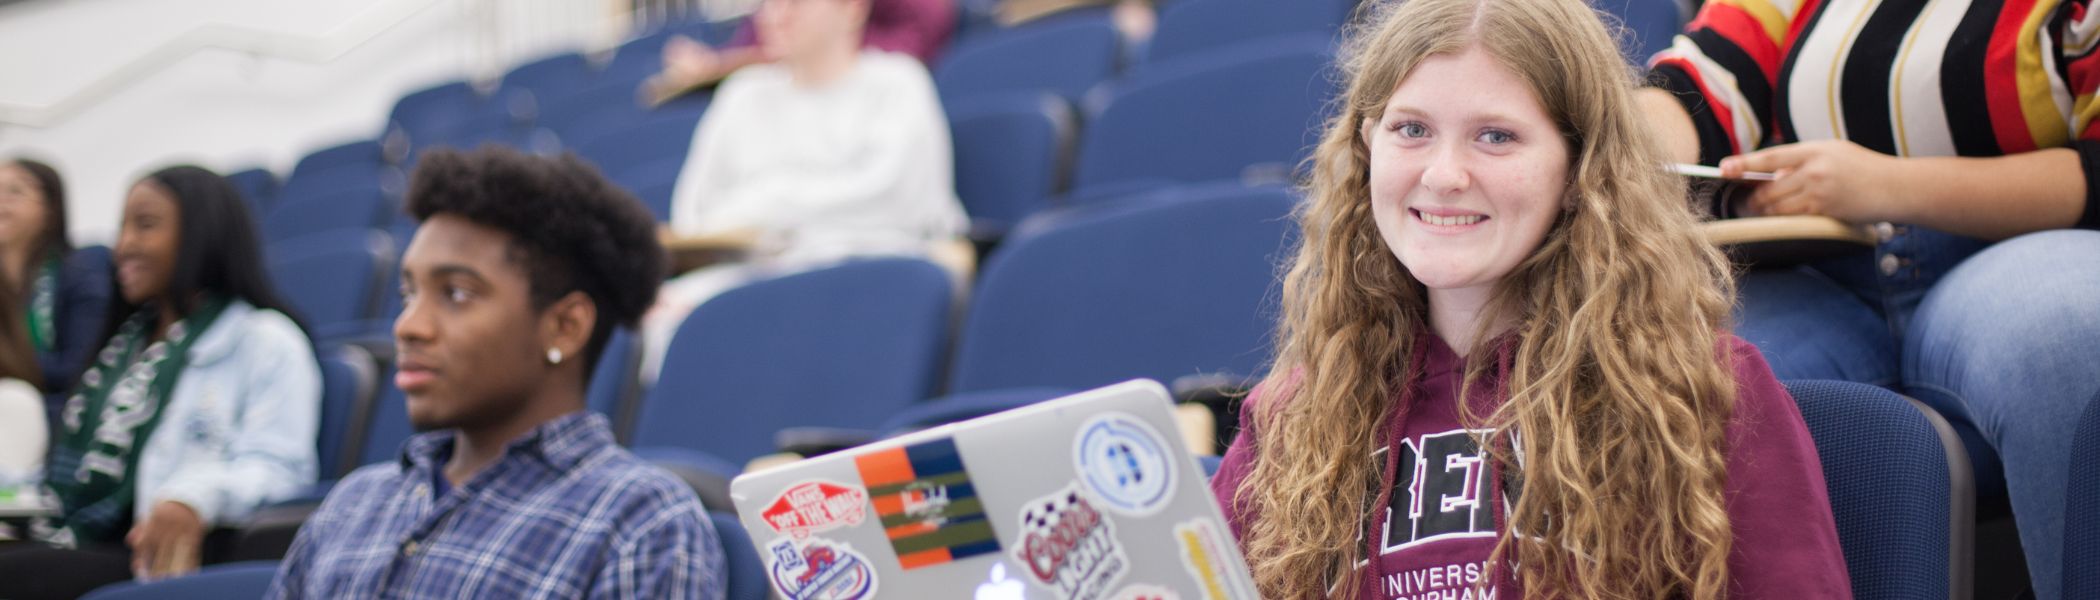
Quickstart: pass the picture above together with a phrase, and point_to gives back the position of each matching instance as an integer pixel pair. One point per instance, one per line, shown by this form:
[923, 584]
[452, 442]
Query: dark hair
[51, 240]
[17, 355]
[571, 230]
[218, 250]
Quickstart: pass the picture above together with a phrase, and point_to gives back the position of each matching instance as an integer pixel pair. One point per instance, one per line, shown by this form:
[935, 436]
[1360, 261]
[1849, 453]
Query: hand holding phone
[1706, 172]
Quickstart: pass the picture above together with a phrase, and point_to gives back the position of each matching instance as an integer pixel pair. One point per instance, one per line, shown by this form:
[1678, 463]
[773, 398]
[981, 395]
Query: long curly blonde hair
[1616, 379]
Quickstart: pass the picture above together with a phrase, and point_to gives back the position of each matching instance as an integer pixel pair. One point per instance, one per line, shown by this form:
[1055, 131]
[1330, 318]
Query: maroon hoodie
[1440, 520]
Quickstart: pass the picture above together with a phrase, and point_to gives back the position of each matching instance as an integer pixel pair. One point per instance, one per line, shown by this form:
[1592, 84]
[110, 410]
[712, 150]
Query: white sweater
[24, 437]
[860, 166]
[238, 430]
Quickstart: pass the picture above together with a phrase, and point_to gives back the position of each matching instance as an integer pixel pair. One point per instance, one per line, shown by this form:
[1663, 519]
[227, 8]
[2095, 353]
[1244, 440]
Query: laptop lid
[1087, 497]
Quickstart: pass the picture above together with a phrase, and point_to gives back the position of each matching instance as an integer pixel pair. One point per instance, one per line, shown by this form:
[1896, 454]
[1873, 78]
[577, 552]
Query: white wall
[225, 110]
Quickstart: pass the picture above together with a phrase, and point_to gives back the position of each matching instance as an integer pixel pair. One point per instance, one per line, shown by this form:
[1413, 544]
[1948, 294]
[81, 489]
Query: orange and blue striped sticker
[927, 503]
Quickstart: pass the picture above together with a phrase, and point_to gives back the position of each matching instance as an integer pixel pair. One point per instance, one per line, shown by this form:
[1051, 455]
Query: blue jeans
[2002, 339]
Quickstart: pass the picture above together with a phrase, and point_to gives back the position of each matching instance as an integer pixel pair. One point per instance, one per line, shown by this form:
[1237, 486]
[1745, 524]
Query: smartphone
[1719, 196]
[1706, 172]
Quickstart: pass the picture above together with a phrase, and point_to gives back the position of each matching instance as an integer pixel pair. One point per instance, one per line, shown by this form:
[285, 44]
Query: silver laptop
[1087, 497]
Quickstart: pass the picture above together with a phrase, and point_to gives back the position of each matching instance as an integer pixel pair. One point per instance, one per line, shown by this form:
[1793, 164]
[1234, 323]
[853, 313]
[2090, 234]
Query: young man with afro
[521, 268]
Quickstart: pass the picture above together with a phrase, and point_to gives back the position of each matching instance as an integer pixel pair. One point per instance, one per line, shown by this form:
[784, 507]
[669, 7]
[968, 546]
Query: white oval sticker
[1125, 463]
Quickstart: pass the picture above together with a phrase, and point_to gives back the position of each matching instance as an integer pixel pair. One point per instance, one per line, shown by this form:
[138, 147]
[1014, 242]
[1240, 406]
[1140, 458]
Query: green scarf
[42, 293]
[107, 422]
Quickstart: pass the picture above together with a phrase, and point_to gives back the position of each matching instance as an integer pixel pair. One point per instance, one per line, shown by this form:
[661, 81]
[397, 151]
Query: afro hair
[571, 229]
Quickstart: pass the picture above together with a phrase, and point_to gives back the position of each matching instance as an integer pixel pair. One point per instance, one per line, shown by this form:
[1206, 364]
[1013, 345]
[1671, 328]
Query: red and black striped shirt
[1902, 77]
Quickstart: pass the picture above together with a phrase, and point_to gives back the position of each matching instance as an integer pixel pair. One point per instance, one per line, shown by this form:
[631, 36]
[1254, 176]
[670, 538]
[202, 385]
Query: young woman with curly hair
[1504, 369]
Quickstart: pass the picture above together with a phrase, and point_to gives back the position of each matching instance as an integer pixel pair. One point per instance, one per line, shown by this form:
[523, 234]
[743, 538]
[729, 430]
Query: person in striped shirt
[1963, 134]
[519, 270]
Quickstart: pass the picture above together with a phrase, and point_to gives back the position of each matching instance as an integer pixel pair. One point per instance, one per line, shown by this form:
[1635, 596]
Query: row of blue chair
[1058, 112]
[596, 115]
[1163, 287]
[1012, 151]
[566, 95]
[541, 106]
[1207, 104]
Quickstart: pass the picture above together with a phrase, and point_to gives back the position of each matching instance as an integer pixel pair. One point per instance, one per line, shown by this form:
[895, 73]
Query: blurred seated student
[1504, 352]
[24, 432]
[63, 298]
[200, 407]
[830, 153]
[916, 28]
[1973, 156]
[519, 272]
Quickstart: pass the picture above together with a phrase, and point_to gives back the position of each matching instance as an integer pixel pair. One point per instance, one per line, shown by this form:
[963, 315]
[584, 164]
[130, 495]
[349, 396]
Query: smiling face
[148, 242]
[1467, 172]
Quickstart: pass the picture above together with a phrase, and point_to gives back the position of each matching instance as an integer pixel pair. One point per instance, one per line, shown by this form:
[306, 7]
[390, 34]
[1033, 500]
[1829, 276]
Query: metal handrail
[358, 31]
[496, 46]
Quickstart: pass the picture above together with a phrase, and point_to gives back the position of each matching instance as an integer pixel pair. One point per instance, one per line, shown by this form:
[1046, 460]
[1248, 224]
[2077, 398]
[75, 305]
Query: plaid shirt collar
[559, 444]
[562, 512]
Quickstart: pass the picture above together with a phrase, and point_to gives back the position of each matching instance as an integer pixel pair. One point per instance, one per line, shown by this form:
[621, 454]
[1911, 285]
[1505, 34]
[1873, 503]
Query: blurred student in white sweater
[829, 152]
[24, 433]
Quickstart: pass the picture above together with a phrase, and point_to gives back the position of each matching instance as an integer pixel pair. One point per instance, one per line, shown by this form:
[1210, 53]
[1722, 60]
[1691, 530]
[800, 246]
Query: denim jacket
[238, 430]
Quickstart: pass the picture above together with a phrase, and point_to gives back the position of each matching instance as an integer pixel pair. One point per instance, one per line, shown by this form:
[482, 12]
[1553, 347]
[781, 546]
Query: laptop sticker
[1202, 553]
[816, 506]
[1146, 592]
[927, 505]
[1069, 546]
[819, 569]
[1125, 463]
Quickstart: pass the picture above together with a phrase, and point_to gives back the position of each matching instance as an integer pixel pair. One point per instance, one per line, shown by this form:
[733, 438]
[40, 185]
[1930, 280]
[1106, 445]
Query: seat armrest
[1220, 393]
[708, 475]
[269, 532]
[817, 441]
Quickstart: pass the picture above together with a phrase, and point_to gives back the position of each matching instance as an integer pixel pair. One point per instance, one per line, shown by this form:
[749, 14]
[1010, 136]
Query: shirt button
[410, 547]
[1889, 264]
[1884, 231]
[422, 489]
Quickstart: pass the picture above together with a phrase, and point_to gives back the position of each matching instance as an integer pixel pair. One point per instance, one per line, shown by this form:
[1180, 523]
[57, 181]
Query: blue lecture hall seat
[1900, 489]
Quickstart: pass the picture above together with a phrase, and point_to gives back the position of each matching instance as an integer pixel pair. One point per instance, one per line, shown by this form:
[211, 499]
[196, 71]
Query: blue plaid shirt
[564, 514]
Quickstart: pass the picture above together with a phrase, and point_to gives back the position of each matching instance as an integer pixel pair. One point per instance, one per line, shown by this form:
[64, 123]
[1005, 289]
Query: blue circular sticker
[820, 569]
[1125, 463]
